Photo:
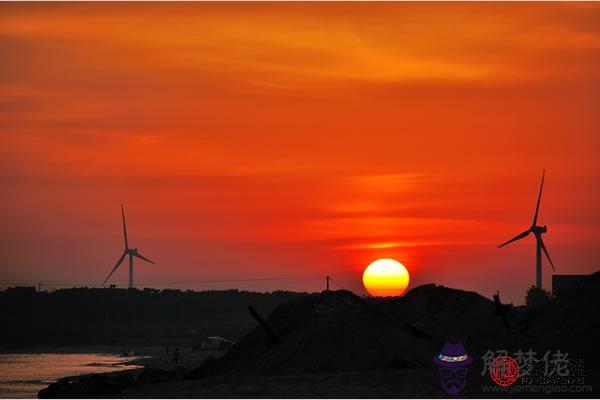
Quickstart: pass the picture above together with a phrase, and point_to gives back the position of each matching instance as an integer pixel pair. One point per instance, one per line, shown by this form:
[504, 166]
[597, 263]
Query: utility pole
[327, 280]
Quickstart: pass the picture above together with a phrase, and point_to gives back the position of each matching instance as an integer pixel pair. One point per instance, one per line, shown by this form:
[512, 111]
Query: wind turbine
[132, 252]
[537, 232]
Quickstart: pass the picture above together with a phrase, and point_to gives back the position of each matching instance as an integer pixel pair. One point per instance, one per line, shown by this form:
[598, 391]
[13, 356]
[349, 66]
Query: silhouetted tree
[536, 297]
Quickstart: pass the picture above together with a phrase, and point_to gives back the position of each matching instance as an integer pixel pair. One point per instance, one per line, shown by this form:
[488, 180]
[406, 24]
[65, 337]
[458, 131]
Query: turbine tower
[132, 252]
[537, 232]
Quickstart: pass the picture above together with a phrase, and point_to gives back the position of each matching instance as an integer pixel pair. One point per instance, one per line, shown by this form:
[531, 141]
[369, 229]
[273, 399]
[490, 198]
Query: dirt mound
[447, 314]
[326, 332]
[340, 332]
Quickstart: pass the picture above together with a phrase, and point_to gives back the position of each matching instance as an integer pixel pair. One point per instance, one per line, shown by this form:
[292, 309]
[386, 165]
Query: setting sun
[386, 277]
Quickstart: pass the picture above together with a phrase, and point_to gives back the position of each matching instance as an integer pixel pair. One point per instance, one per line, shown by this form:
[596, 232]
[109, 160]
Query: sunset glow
[285, 140]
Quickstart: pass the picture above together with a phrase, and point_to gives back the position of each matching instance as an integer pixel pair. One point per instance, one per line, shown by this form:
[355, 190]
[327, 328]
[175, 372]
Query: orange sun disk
[386, 277]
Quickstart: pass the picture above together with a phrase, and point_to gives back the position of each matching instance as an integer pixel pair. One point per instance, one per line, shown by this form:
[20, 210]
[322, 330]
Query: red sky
[276, 140]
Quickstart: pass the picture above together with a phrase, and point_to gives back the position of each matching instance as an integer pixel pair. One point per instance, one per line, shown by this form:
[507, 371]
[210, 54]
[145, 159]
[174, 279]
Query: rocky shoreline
[105, 384]
[153, 368]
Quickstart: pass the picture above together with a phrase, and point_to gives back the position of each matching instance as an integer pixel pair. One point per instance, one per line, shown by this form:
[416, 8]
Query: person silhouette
[176, 355]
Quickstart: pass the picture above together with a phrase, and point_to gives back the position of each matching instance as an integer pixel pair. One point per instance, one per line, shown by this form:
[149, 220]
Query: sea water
[23, 375]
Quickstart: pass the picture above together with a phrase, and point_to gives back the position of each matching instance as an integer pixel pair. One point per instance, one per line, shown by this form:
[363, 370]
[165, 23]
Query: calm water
[23, 375]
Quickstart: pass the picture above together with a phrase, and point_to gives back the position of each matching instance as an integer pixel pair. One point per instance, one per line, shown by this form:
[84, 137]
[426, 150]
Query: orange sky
[265, 140]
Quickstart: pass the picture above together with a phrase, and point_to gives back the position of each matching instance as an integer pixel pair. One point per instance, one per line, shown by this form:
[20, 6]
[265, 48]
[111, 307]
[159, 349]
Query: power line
[255, 283]
[241, 280]
[337, 283]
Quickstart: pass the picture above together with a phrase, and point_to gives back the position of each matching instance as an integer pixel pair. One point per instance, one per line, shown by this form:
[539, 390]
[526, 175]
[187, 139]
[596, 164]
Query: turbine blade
[519, 236]
[115, 268]
[144, 258]
[124, 227]
[537, 207]
[547, 255]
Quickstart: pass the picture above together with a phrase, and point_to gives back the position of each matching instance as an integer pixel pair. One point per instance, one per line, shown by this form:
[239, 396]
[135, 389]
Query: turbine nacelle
[539, 229]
